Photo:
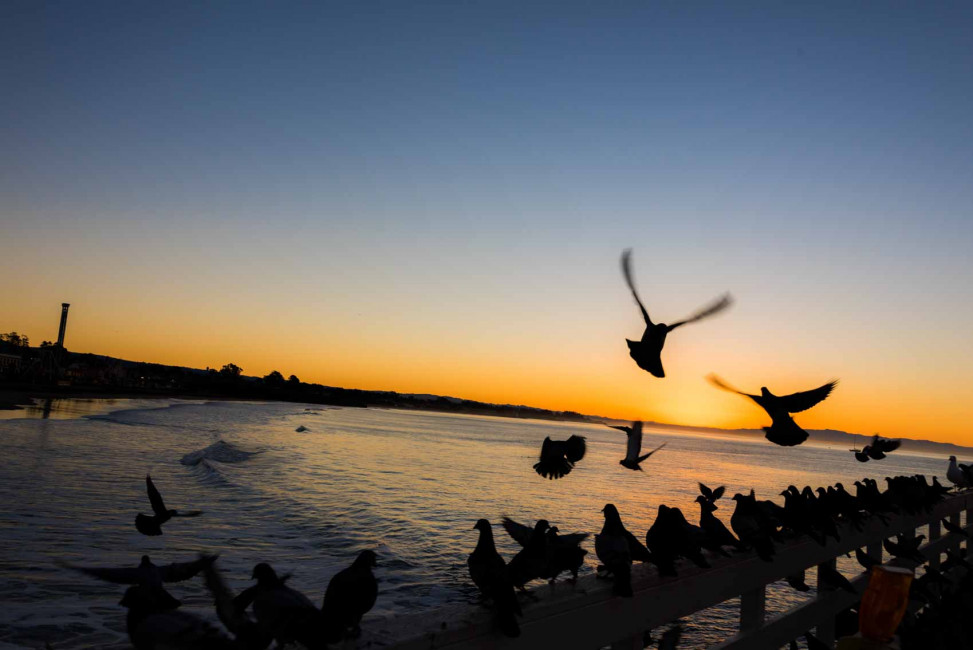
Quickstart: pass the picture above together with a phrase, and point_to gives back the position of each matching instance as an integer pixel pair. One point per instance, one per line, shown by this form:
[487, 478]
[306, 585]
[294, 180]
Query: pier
[587, 615]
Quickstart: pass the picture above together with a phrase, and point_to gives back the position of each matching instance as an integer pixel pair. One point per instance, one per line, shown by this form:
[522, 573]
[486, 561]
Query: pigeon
[558, 457]
[154, 626]
[563, 554]
[150, 576]
[907, 549]
[248, 634]
[834, 580]
[531, 561]
[880, 446]
[959, 474]
[563, 551]
[351, 593]
[647, 352]
[283, 613]
[671, 537]
[489, 574]
[866, 560]
[711, 495]
[152, 526]
[783, 430]
[861, 455]
[955, 528]
[717, 534]
[753, 527]
[616, 548]
[632, 458]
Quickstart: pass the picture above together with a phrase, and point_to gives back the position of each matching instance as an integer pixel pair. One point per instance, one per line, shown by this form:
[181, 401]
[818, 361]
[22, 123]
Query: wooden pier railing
[586, 615]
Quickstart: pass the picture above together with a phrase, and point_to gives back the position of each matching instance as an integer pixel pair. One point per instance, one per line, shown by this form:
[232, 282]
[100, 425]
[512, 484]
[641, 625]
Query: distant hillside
[830, 437]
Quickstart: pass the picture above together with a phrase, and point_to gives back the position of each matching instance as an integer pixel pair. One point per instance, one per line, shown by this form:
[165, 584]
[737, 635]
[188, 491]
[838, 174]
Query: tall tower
[64, 324]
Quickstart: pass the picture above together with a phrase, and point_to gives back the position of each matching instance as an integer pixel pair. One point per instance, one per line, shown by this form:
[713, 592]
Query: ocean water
[407, 484]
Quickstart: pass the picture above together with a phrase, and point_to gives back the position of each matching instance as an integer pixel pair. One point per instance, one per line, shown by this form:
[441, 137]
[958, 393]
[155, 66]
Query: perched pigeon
[647, 352]
[753, 527]
[564, 552]
[558, 457]
[283, 613]
[350, 595]
[489, 574]
[783, 430]
[150, 576]
[152, 626]
[531, 561]
[616, 547]
[907, 549]
[716, 532]
[632, 458]
[153, 525]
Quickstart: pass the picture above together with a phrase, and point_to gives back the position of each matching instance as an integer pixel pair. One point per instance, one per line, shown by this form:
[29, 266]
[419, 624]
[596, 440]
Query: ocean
[407, 484]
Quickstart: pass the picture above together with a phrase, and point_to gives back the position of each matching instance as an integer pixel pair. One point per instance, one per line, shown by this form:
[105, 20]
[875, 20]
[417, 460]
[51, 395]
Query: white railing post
[753, 608]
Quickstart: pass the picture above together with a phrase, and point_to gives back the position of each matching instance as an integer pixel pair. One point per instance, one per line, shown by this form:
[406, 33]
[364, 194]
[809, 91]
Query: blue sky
[474, 169]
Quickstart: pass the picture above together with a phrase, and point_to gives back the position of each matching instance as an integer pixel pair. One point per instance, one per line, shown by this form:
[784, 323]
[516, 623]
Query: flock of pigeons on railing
[282, 614]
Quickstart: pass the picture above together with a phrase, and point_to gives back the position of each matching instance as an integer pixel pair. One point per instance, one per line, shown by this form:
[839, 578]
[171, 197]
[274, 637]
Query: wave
[220, 451]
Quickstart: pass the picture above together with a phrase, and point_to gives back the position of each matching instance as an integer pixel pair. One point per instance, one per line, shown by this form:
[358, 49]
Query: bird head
[738, 497]
[610, 511]
[952, 458]
[366, 558]
[145, 561]
[764, 392]
[481, 524]
[541, 525]
[263, 572]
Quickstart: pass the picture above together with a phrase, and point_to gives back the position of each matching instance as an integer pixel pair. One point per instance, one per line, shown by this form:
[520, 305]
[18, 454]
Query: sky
[433, 198]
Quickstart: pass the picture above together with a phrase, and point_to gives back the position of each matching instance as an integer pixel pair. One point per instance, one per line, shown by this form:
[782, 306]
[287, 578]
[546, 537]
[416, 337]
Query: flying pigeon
[152, 526]
[489, 574]
[880, 446]
[783, 430]
[647, 352]
[558, 457]
[632, 458]
[150, 576]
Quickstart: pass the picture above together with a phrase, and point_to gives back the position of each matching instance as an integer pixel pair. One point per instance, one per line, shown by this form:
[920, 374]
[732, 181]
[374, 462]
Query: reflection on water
[44, 408]
[408, 484]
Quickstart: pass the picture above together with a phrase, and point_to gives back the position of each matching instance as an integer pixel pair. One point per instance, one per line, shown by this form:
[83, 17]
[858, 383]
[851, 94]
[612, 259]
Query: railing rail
[587, 615]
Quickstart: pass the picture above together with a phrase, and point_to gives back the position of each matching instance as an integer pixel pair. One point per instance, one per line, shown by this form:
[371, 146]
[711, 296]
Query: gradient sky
[434, 197]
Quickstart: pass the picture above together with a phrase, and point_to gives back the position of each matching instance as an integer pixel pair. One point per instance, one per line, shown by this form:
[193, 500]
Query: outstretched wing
[634, 441]
[705, 491]
[884, 444]
[718, 492]
[621, 428]
[797, 402]
[627, 272]
[179, 571]
[158, 505]
[129, 576]
[572, 539]
[711, 309]
[719, 383]
[519, 532]
[574, 448]
[644, 456]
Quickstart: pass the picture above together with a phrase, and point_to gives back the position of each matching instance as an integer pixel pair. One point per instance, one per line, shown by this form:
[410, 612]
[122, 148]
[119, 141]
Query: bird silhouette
[647, 352]
[616, 548]
[907, 549]
[558, 457]
[152, 526]
[783, 430]
[152, 625]
[861, 455]
[531, 561]
[351, 593]
[283, 613]
[150, 576]
[248, 633]
[632, 458]
[959, 474]
[489, 574]
[564, 552]
[877, 449]
[711, 495]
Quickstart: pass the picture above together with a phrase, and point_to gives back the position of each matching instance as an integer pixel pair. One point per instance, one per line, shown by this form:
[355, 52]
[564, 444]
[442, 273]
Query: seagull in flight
[783, 430]
[152, 526]
[632, 458]
[648, 351]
